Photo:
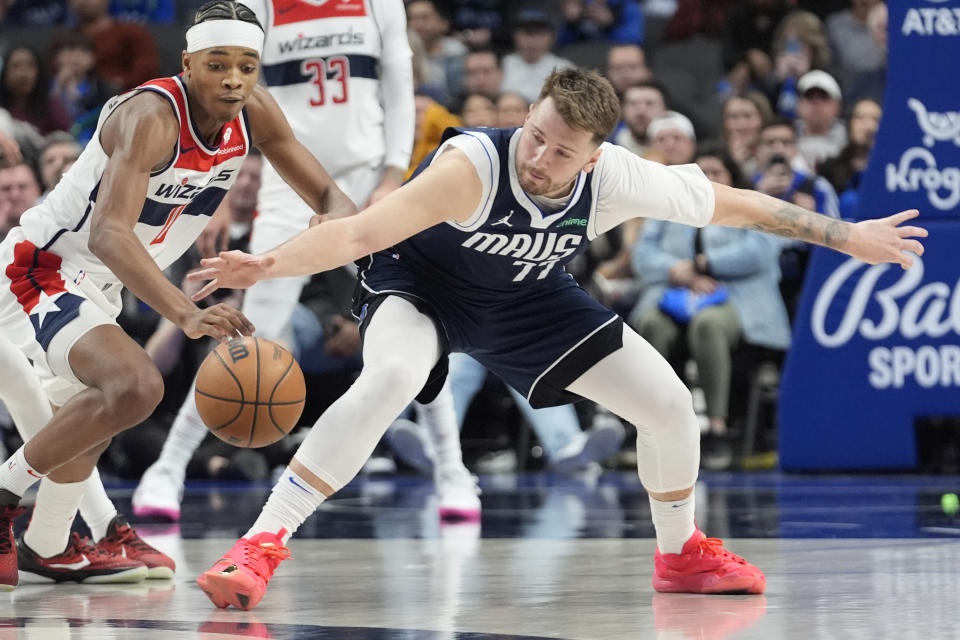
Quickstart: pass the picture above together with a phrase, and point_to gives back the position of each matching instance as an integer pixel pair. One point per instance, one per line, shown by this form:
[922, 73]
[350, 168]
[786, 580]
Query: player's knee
[672, 402]
[132, 399]
[396, 375]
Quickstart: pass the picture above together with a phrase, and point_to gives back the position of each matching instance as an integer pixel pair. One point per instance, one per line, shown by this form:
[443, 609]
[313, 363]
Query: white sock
[186, 434]
[291, 501]
[674, 523]
[53, 514]
[96, 509]
[16, 476]
[440, 418]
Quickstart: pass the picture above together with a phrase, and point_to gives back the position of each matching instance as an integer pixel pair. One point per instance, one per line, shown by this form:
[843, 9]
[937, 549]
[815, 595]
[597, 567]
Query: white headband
[224, 33]
[671, 120]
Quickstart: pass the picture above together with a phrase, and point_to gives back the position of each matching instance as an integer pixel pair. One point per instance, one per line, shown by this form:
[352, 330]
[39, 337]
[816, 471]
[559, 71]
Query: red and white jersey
[322, 61]
[181, 196]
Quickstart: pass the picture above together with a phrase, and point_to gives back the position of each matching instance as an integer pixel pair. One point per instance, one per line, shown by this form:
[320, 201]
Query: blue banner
[875, 348]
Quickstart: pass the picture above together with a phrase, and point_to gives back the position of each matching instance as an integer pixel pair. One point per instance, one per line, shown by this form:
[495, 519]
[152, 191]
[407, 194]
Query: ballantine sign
[875, 347]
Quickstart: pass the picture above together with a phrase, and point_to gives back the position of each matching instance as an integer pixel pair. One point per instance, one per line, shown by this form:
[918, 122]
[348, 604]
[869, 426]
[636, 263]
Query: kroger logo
[917, 169]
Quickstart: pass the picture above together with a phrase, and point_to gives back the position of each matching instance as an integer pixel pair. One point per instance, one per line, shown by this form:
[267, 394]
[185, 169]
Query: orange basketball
[250, 392]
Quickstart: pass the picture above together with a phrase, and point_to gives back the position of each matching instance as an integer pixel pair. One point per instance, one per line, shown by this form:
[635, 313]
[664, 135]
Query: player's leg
[48, 532]
[636, 383]
[401, 346]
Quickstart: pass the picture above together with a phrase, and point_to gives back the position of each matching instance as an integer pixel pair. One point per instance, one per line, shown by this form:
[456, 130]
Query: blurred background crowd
[779, 96]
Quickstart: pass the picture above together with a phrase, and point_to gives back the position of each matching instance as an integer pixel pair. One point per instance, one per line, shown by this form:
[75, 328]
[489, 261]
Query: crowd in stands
[779, 96]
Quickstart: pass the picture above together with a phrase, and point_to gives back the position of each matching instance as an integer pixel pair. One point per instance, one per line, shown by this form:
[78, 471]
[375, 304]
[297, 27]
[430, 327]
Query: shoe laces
[714, 547]
[125, 535]
[86, 547]
[262, 560]
[9, 513]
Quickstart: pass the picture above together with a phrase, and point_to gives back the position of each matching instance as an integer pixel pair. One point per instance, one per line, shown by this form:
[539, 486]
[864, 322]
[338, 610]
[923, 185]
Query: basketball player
[160, 162]
[468, 256]
[342, 74]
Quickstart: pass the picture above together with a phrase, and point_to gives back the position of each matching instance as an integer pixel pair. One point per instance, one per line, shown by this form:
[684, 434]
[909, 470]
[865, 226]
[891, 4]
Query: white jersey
[322, 61]
[181, 196]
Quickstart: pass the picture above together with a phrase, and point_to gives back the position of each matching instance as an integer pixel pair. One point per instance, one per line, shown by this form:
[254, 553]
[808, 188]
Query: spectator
[482, 73]
[77, 85]
[641, 103]
[845, 171]
[877, 22]
[59, 152]
[859, 59]
[125, 52]
[672, 135]
[619, 21]
[524, 71]
[443, 54]
[730, 277]
[479, 111]
[512, 109]
[779, 176]
[799, 46]
[24, 92]
[743, 118]
[34, 13]
[821, 133]
[19, 190]
[626, 67]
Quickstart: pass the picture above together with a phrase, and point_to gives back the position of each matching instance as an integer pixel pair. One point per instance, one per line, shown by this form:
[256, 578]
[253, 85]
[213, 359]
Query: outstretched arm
[873, 241]
[448, 190]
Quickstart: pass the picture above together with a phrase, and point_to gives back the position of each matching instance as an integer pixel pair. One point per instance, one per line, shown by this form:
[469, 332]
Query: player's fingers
[913, 245]
[237, 320]
[203, 274]
[903, 216]
[912, 232]
[211, 263]
[906, 261]
[207, 289]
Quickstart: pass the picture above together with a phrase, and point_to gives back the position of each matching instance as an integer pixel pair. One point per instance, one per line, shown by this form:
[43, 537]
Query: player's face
[221, 79]
[551, 153]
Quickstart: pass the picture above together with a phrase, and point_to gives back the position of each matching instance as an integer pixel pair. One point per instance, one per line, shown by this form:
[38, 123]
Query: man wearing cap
[524, 70]
[672, 135]
[161, 161]
[820, 132]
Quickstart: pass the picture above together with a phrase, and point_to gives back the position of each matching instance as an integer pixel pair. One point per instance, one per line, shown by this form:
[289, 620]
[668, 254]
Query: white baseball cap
[671, 120]
[818, 79]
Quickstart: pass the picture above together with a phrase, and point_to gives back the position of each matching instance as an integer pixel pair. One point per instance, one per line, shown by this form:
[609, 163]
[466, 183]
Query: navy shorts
[538, 339]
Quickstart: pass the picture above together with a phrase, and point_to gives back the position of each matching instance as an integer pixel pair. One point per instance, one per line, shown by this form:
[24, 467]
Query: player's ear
[594, 159]
[185, 60]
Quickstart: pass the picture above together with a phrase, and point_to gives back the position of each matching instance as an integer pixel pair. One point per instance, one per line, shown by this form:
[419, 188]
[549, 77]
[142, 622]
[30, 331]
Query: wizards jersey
[180, 197]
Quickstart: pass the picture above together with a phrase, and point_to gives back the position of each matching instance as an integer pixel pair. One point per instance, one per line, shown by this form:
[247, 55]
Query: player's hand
[884, 240]
[230, 270]
[220, 322]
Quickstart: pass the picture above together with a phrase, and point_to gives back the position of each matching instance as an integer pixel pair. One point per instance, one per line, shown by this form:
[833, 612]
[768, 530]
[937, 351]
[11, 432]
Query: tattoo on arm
[791, 221]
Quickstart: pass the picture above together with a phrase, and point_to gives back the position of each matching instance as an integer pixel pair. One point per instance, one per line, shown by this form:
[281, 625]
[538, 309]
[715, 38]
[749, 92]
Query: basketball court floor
[554, 557]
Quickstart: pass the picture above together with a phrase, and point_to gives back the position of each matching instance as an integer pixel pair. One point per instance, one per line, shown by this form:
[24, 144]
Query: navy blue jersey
[510, 247]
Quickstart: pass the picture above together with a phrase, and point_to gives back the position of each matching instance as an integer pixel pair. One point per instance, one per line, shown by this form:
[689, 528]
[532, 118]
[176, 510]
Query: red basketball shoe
[81, 561]
[704, 566]
[122, 540]
[8, 548]
[240, 577]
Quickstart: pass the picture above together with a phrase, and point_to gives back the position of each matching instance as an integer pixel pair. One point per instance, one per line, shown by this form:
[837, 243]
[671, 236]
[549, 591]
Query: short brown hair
[584, 99]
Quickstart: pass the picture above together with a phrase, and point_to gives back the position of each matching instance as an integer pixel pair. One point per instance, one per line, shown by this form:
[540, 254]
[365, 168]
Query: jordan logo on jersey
[533, 252]
[505, 220]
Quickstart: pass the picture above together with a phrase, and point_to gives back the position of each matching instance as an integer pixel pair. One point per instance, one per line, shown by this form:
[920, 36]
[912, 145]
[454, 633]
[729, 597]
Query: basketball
[250, 392]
